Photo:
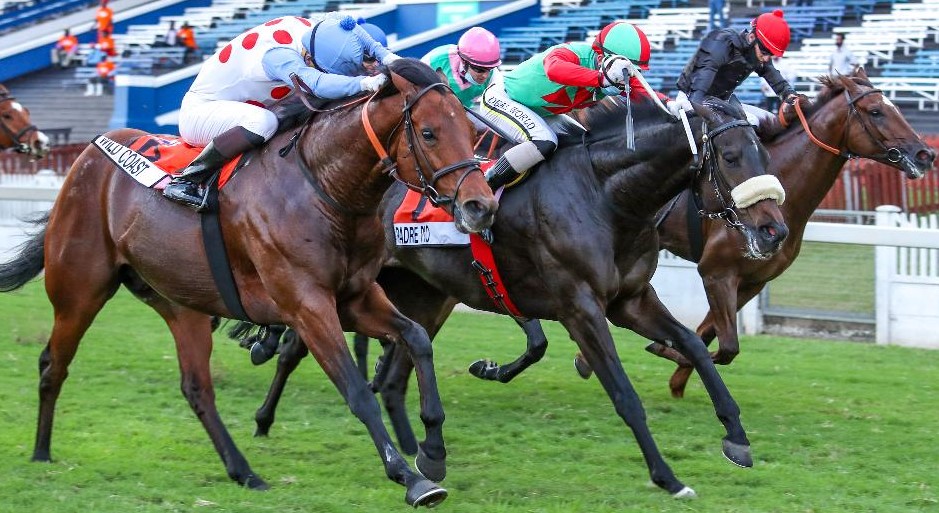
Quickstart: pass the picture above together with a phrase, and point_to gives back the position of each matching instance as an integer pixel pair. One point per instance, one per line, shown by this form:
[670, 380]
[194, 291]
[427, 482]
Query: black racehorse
[577, 243]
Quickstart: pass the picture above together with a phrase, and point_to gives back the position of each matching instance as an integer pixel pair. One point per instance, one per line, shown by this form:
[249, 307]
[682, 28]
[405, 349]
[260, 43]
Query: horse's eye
[427, 134]
[876, 112]
[730, 157]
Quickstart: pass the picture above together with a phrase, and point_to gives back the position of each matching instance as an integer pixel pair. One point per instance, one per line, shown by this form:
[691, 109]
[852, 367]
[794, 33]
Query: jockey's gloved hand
[391, 57]
[792, 97]
[673, 107]
[373, 84]
[614, 71]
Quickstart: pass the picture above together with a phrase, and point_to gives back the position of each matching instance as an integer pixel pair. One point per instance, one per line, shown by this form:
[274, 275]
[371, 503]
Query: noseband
[16, 138]
[728, 210]
[892, 154]
[391, 168]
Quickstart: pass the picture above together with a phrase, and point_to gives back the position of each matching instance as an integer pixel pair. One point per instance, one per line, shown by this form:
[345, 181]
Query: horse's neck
[806, 171]
[640, 184]
[343, 163]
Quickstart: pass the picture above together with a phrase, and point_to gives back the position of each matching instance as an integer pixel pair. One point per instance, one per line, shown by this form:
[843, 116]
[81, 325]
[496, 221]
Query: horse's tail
[28, 262]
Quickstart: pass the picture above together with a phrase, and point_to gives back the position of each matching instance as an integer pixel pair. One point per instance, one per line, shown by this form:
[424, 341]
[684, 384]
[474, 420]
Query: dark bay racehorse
[849, 118]
[305, 245]
[577, 243]
[16, 129]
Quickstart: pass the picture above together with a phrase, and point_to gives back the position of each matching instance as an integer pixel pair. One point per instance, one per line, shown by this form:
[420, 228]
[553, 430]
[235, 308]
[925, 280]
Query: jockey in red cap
[726, 58]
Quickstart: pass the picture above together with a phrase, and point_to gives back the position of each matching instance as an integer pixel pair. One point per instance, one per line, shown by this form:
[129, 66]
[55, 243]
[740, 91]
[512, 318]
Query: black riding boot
[501, 173]
[186, 188]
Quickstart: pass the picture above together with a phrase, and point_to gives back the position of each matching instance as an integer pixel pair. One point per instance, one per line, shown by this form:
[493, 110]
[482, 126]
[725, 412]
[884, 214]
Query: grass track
[835, 427]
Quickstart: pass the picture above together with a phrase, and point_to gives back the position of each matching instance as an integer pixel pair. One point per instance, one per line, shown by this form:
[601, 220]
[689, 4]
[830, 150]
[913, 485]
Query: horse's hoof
[435, 470]
[484, 369]
[261, 354]
[685, 493]
[738, 454]
[425, 493]
[253, 482]
[582, 367]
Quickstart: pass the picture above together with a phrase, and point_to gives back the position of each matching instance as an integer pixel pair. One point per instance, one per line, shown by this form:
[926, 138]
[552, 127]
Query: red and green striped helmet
[622, 38]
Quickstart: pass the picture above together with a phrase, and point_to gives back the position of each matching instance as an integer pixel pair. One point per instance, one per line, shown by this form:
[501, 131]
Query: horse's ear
[860, 73]
[402, 84]
[705, 111]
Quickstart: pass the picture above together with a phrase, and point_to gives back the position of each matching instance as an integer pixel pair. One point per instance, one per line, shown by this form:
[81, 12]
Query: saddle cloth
[153, 159]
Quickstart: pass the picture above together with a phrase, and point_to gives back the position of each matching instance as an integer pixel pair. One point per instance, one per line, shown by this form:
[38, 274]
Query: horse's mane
[607, 119]
[413, 70]
[832, 86]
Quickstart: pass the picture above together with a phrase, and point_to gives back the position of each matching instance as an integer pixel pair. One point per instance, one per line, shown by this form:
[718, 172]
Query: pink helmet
[479, 47]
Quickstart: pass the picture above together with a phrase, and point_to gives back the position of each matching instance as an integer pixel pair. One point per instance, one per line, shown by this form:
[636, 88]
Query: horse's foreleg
[192, 332]
[536, 345]
[292, 351]
[587, 326]
[392, 383]
[360, 348]
[648, 317]
[376, 317]
[324, 338]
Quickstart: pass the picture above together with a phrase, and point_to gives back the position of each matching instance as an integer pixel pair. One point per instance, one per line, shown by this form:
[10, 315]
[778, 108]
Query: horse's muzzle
[474, 215]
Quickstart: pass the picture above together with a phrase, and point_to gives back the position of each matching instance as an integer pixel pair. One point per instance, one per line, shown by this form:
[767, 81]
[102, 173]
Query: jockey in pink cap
[468, 66]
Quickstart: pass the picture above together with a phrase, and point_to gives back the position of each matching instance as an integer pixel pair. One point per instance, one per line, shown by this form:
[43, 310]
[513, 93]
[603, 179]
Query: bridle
[16, 138]
[892, 154]
[391, 168]
[728, 210]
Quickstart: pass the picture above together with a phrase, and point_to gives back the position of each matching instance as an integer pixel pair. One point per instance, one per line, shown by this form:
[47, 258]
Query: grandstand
[897, 41]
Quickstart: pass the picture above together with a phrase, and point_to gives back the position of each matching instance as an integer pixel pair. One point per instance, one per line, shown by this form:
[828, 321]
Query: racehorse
[305, 245]
[849, 118]
[577, 243]
[16, 130]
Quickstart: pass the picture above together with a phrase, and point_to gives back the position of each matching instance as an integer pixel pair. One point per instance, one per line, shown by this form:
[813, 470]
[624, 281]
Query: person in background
[771, 102]
[64, 50]
[185, 36]
[468, 67]
[524, 102]
[106, 45]
[104, 19]
[225, 109]
[170, 37]
[725, 58]
[716, 19]
[105, 73]
[842, 60]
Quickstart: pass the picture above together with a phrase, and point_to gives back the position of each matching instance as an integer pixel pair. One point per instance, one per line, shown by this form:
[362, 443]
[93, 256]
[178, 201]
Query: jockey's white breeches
[202, 120]
[513, 118]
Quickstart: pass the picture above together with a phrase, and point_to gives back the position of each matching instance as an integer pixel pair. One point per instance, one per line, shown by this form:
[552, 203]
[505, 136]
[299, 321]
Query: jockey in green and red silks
[566, 77]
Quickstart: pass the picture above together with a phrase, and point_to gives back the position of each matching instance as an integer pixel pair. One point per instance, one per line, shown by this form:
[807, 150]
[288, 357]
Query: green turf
[835, 427]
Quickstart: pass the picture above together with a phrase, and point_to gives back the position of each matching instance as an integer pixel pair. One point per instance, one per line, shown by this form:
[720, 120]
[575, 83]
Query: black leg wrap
[501, 173]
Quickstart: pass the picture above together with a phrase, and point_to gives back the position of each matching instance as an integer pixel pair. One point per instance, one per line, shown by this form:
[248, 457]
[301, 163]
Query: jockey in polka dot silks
[226, 108]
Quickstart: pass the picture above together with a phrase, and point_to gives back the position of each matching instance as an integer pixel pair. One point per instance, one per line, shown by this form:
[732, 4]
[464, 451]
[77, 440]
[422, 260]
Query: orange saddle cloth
[171, 154]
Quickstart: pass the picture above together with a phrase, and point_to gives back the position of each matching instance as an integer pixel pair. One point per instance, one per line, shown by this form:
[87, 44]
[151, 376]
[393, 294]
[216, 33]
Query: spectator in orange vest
[106, 45]
[64, 50]
[104, 19]
[186, 37]
[105, 69]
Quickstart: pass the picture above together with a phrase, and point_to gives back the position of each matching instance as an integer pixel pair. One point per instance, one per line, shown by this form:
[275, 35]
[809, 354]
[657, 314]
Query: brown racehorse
[577, 243]
[849, 118]
[305, 245]
[16, 130]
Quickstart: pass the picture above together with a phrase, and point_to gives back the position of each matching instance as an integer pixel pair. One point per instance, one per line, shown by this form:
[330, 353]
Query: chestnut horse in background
[16, 129]
[849, 118]
[576, 242]
[305, 244]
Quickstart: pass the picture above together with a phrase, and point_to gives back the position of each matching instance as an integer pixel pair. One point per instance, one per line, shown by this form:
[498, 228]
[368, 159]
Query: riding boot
[186, 188]
[501, 173]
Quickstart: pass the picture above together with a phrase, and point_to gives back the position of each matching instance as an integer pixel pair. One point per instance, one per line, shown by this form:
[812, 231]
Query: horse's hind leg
[292, 351]
[76, 297]
[536, 345]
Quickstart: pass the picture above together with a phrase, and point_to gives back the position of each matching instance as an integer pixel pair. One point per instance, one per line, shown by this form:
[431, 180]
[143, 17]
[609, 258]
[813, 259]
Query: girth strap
[214, 243]
[485, 264]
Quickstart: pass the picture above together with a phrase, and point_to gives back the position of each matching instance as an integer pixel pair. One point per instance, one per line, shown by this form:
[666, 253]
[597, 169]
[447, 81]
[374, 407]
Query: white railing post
[885, 266]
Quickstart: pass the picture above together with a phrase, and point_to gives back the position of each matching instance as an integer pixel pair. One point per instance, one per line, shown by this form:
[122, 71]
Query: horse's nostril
[926, 156]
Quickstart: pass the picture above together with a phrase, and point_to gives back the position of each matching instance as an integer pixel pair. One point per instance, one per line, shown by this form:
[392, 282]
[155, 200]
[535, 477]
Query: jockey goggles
[477, 69]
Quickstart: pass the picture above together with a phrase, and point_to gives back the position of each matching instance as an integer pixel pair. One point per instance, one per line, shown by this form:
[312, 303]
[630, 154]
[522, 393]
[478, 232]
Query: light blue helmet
[375, 31]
